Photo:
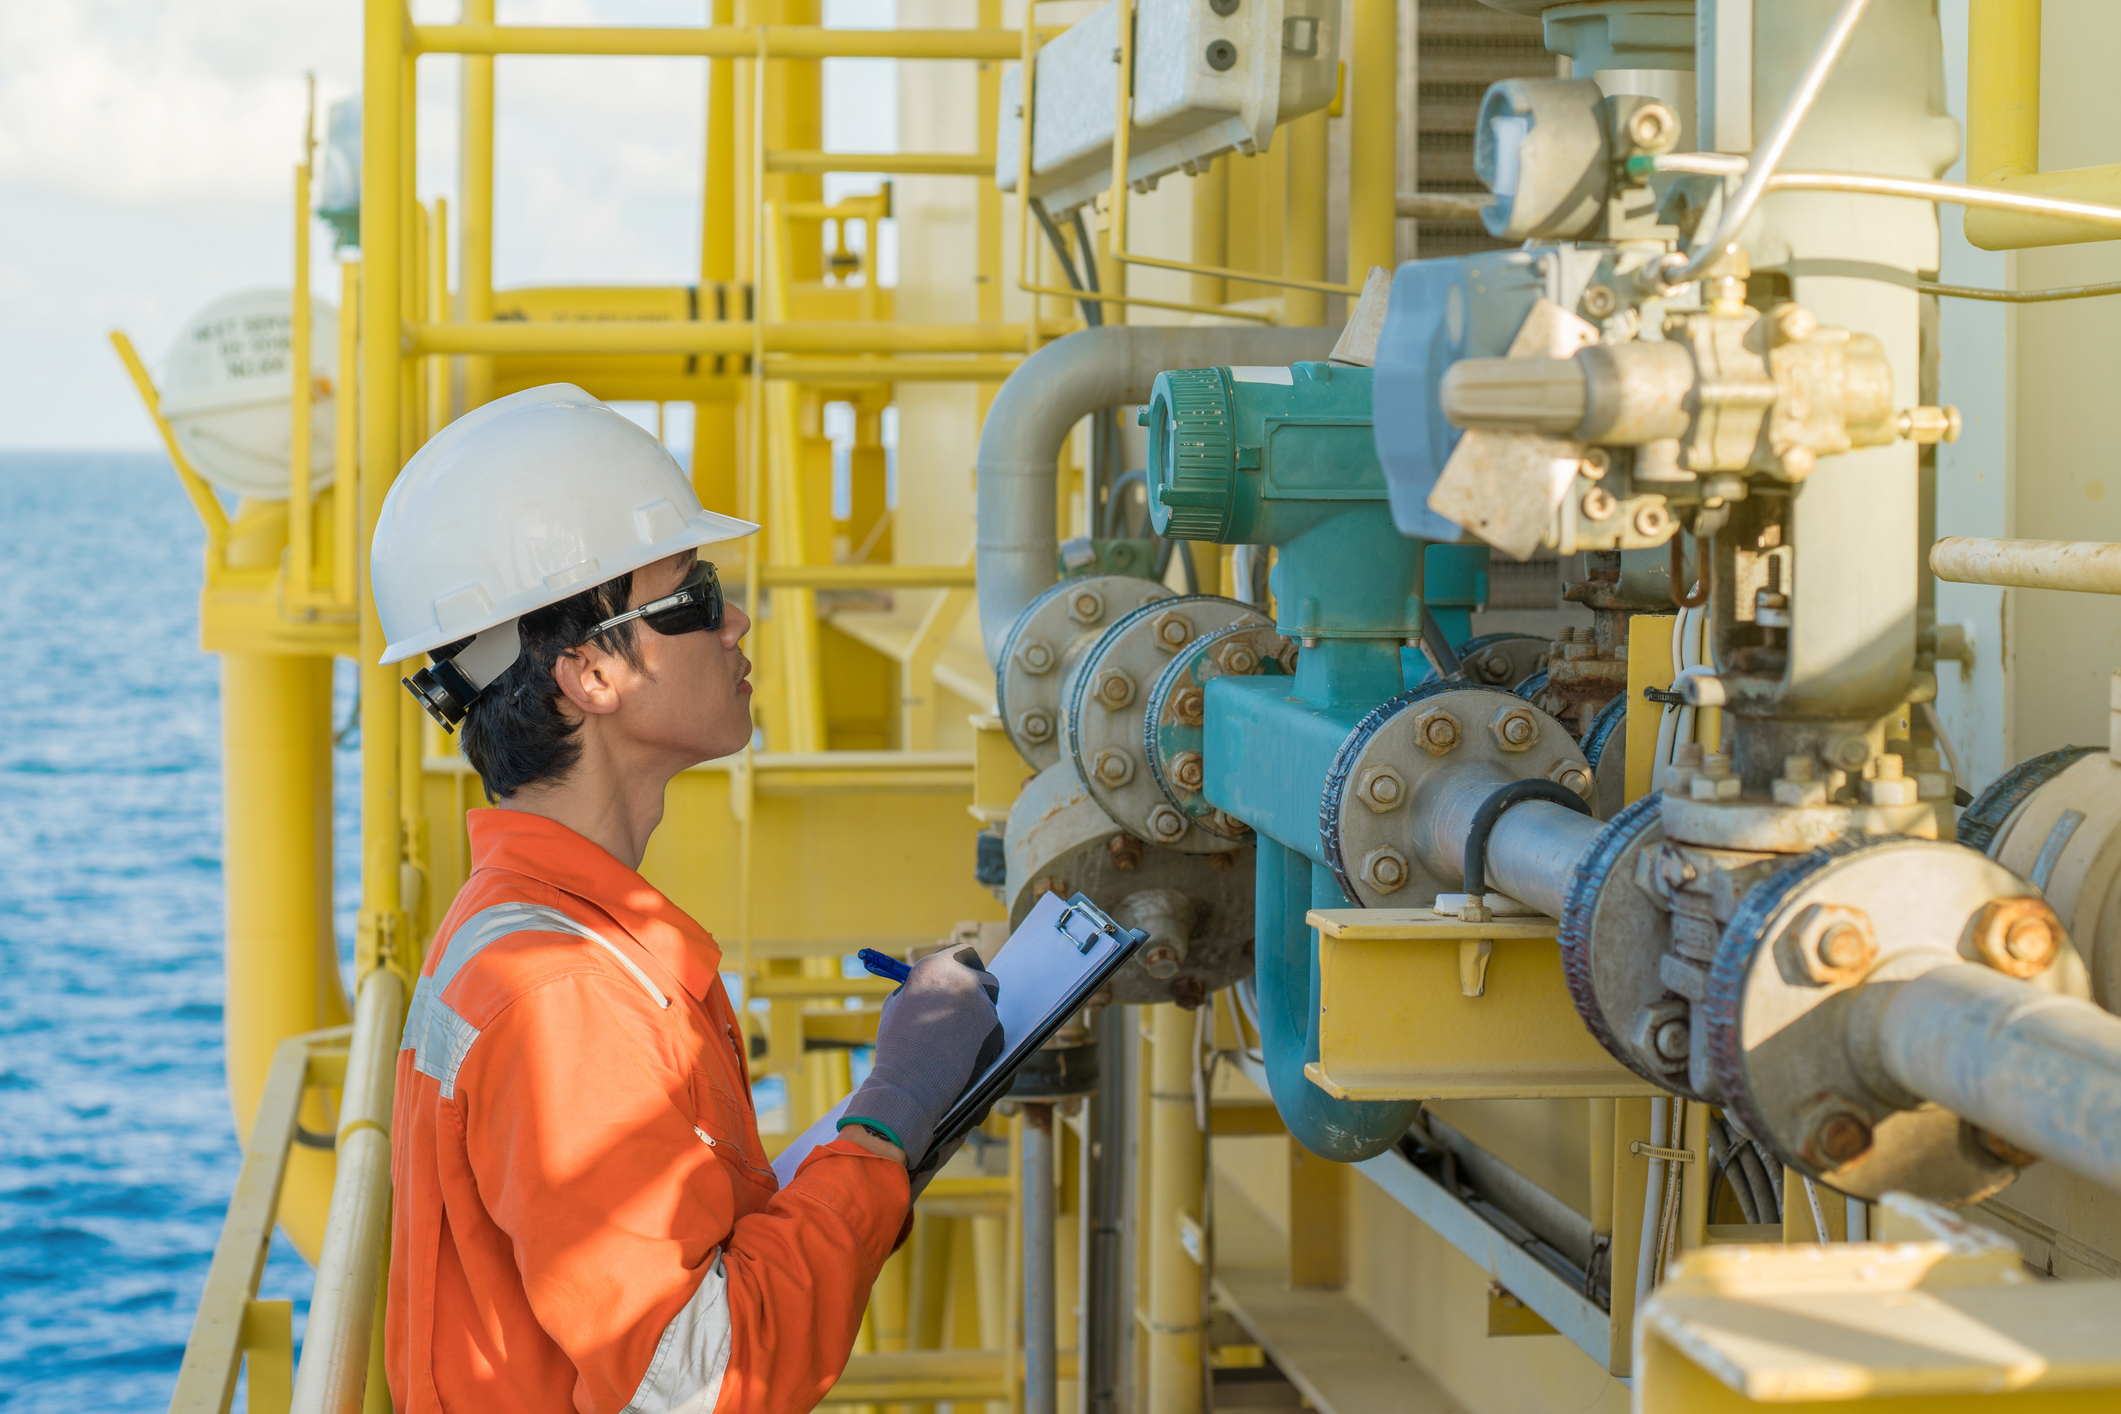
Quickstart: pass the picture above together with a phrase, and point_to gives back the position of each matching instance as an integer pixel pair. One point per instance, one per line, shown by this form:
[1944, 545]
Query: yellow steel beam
[921, 164]
[865, 576]
[863, 372]
[662, 336]
[718, 41]
[269, 1351]
[2003, 134]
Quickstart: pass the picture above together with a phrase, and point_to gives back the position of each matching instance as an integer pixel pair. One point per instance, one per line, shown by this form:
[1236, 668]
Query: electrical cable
[1811, 1195]
[1944, 742]
[1652, 1205]
[2056, 292]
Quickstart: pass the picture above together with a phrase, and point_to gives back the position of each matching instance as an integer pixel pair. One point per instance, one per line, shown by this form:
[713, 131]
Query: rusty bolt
[1436, 730]
[1188, 705]
[1086, 605]
[1188, 993]
[1160, 960]
[1514, 729]
[1600, 301]
[1126, 852]
[1834, 943]
[1240, 659]
[1115, 688]
[1381, 789]
[1598, 504]
[1034, 724]
[1172, 629]
[1186, 769]
[2019, 937]
[1114, 767]
[1385, 869]
[1594, 463]
[1652, 520]
[1166, 824]
[1036, 656]
[1570, 775]
[1494, 666]
[1841, 1137]
[1221, 863]
[1232, 826]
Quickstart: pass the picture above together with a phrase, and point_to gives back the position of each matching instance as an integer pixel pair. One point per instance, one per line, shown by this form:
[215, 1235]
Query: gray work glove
[937, 1032]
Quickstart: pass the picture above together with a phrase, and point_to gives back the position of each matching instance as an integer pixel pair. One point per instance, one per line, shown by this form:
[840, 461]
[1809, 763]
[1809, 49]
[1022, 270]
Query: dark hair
[515, 734]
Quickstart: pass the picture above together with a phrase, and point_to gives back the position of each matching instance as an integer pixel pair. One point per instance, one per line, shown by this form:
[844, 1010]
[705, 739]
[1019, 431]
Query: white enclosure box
[227, 389]
[1210, 76]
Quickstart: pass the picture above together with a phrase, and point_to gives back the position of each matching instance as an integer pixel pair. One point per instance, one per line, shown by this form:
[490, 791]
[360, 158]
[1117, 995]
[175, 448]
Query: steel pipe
[2087, 566]
[342, 1308]
[1532, 851]
[1041, 1326]
[2039, 1070]
[1035, 410]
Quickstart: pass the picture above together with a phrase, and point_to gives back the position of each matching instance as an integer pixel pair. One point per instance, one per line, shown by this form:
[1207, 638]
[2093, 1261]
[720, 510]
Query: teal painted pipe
[1285, 457]
[1286, 975]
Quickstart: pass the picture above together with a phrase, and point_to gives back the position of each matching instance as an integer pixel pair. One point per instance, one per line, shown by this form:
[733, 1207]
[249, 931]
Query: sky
[148, 147]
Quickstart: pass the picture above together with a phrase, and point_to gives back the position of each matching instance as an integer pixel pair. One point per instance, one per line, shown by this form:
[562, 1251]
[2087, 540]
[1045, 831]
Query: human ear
[585, 679]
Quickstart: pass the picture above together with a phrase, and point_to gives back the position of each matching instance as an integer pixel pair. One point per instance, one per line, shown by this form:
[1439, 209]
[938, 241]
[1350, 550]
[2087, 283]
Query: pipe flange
[1434, 734]
[1504, 660]
[1059, 840]
[1104, 729]
[1043, 645]
[1984, 820]
[1614, 937]
[2062, 830]
[1605, 746]
[1786, 1022]
[1174, 712]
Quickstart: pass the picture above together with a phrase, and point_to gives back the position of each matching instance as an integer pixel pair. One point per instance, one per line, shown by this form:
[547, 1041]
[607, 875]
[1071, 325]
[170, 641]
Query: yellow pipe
[475, 203]
[866, 576]
[346, 479]
[923, 164]
[864, 371]
[438, 410]
[1304, 248]
[1211, 230]
[301, 552]
[382, 249]
[1373, 163]
[282, 961]
[711, 336]
[2003, 134]
[779, 41]
[1175, 1159]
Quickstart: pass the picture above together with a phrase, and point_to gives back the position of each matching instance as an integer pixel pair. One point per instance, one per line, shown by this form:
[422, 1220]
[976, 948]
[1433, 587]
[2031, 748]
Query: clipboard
[1063, 952]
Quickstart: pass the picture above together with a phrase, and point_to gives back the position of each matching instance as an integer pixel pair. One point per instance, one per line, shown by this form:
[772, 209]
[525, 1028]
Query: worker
[585, 1217]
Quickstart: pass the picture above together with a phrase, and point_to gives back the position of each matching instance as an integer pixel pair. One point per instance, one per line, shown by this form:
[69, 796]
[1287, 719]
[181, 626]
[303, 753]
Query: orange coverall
[584, 1215]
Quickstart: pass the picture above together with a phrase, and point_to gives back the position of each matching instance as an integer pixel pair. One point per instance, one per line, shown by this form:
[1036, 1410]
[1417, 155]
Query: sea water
[117, 1148]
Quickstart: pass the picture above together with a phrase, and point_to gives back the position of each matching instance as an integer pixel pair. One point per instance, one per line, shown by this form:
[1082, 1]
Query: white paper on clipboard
[1062, 953]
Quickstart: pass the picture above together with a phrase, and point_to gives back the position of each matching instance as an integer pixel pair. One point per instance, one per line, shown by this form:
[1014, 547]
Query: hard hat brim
[703, 528]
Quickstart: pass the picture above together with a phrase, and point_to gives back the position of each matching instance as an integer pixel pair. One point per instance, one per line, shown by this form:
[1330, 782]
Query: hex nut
[1287, 654]
[1599, 301]
[1673, 1040]
[1385, 869]
[1514, 729]
[1115, 688]
[1188, 706]
[1888, 786]
[1113, 766]
[1238, 659]
[1571, 775]
[1086, 605]
[1166, 824]
[1126, 852]
[1036, 656]
[1172, 630]
[1186, 769]
[2019, 937]
[1834, 943]
[1650, 1024]
[1034, 724]
[1382, 789]
[1436, 730]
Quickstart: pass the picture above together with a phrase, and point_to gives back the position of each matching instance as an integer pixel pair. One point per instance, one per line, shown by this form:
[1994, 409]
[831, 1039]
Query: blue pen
[880, 965]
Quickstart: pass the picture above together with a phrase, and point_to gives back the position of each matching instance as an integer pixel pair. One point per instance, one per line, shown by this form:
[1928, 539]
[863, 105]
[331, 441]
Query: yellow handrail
[202, 495]
[717, 41]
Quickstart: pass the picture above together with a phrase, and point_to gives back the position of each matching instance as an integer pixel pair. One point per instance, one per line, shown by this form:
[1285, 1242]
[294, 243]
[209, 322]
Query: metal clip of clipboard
[1100, 925]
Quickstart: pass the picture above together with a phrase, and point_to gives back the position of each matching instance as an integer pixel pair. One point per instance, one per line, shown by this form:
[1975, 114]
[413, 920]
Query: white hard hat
[519, 504]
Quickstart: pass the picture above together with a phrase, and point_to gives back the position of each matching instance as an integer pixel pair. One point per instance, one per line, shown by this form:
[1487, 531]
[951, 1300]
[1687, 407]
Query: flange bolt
[1186, 769]
[1842, 1137]
[2019, 937]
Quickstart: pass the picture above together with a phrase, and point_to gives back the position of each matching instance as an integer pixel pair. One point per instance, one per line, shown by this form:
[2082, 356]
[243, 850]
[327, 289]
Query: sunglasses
[694, 605]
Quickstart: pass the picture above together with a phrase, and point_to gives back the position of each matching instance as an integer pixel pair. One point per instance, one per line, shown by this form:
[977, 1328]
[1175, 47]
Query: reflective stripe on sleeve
[686, 1375]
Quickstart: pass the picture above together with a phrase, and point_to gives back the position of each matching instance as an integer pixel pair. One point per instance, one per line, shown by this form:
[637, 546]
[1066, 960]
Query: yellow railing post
[269, 1355]
[475, 204]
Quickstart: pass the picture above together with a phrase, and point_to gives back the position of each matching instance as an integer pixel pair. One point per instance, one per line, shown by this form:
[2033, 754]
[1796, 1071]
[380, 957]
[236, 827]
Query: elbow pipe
[1040, 403]
[1286, 977]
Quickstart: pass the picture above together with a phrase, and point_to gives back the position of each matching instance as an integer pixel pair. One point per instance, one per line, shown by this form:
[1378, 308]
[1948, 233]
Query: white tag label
[1263, 375]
